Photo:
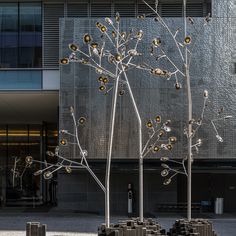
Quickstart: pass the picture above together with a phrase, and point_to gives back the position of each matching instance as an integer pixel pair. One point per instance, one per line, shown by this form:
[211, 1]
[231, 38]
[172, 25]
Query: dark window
[77, 10]
[20, 35]
[125, 9]
[171, 10]
[20, 79]
[144, 9]
[100, 10]
[195, 10]
[175, 9]
[9, 34]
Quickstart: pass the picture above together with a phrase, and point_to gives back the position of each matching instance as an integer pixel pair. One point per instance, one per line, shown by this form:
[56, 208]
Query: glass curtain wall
[19, 186]
[20, 35]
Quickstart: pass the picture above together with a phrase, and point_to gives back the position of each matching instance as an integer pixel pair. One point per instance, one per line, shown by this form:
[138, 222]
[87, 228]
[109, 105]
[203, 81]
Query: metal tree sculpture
[63, 162]
[17, 172]
[111, 59]
[185, 52]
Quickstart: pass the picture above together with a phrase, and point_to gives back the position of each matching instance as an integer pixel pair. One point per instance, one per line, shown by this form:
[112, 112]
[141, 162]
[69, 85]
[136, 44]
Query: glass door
[19, 186]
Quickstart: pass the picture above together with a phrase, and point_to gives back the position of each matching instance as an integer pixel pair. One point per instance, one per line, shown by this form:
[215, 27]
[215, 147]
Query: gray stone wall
[79, 192]
[212, 68]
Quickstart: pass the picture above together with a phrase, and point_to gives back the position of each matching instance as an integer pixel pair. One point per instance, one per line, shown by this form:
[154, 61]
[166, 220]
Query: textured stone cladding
[212, 68]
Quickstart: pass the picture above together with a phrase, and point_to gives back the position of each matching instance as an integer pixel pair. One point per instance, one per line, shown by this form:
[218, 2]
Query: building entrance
[18, 184]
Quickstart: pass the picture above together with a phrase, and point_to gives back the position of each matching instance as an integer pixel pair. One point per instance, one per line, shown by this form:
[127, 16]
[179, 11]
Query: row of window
[131, 10]
[21, 26]
[20, 35]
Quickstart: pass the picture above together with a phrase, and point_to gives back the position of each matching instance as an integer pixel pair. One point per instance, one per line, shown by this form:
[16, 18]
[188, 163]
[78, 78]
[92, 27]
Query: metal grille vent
[101, 10]
[125, 10]
[208, 8]
[171, 10]
[195, 10]
[52, 13]
[77, 10]
[144, 9]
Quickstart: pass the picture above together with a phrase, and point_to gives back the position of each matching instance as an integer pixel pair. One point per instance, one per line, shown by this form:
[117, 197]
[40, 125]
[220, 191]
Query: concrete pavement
[74, 224]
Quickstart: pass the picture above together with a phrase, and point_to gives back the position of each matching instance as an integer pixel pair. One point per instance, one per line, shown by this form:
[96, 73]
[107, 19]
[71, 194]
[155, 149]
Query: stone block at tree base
[196, 227]
[132, 227]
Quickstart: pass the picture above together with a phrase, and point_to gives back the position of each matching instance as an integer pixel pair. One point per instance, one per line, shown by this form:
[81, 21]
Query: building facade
[36, 95]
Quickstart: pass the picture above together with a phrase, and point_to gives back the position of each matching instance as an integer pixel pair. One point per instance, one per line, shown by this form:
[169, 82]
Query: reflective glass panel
[20, 35]
[8, 35]
[25, 79]
[30, 35]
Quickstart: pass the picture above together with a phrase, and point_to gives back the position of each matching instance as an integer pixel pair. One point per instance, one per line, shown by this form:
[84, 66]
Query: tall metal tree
[185, 53]
[112, 57]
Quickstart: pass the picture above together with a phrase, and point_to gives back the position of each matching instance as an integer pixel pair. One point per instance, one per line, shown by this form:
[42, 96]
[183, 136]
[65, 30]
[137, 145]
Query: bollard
[42, 230]
[28, 228]
[35, 229]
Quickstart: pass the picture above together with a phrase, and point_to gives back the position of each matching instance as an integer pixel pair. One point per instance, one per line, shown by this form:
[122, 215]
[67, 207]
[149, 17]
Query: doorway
[19, 186]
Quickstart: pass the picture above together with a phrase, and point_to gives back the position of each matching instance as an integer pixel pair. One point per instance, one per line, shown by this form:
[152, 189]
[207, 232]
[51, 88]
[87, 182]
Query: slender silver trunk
[190, 116]
[189, 184]
[141, 189]
[110, 144]
[140, 150]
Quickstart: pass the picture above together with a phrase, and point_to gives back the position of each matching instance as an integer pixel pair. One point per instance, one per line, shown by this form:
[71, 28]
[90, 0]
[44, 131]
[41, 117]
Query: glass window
[8, 35]
[20, 35]
[30, 35]
[25, 79]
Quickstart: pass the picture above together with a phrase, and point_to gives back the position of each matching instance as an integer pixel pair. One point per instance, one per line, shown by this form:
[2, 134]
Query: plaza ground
[12, 223]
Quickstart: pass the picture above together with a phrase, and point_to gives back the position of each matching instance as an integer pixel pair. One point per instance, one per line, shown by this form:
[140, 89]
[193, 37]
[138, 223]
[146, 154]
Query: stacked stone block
[132, 228]
[196, 227]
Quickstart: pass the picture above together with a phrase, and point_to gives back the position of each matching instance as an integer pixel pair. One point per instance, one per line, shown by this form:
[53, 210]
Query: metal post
[108, 166]
[140, 149]
[189, 97]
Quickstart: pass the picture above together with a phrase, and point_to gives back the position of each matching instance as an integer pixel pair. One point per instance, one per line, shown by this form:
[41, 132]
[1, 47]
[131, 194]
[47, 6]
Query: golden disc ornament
[117, 17]
[164, 158]
[161, 133]
[169, 146]
[187, 40]
[47, 175]
[82, 120]
[158, 119]
[167, 181]
[94, 45]
[85, 61]
[105, 80]
[29, 160]
[178, 86]
[63, 142]
[118, 57]
[172, 139]
[139, 35]
[100, 79]
[103, 29]
[87, 38]
[164, 172]
[156, 42]
[156, 149]
[98, 24]
[149, 124]
[73, 47]
[121, 92]
[141, 17]
[64, 61]
[102, 88]
[113, 33]
[68, 169]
